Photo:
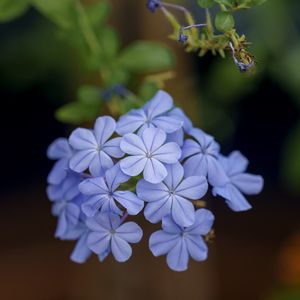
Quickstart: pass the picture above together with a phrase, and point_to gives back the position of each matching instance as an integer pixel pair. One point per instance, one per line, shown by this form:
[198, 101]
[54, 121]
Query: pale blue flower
[172, 196]
[61, 151]
[103, 194]
[148, 154]
[152, 114]
[93, 149]
[201, 157]
[181, 242]
[109, 235]
[239, 183]
[66, 200]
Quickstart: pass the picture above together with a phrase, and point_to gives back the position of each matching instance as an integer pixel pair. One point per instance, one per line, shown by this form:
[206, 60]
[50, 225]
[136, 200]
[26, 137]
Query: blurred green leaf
[291, 160]
[97, 12]
[147, 90]
[258, 2]
[10, 9]
[206, 3]
[86, 108]
[110, 43]
[144, 56]
[229, 3]
[61, 12]
[224, 21]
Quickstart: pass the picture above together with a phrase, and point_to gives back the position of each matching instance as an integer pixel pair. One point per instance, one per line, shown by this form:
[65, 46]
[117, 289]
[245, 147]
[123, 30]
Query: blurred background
[255, 255]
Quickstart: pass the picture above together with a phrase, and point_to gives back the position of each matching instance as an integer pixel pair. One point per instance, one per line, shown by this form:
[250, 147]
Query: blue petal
[168, 153]
[151, 192]
[193, 187]
[133, 165]
[132, 144]
[178, 257]
[100, 164]
[215, 172]
[110, 206]
[120, 249]
[197, 249]
[114, 177]
[155, 211]
[93, 204]
[190, 148]
[83, 139]
[170, 226]
[94, 186]
[161, 242]
[234, 198]
[112, 148]
[153, 139]
[154, 171]
[131, 121]
[180, 115]
[103, 129]
[58, 172]
[196, 166]
[130, 201]
[204, 220]
[98, 242]
[159, 104]
[235, 163]
[62, 225]
[130, 232]
[183, 211]
[100, 223]
[247, 183]
[201, 137]
[167, 124]
[72, 212]
[58, 149]
[81, 160]
[176, 137]
[81, 251]
[175, 175]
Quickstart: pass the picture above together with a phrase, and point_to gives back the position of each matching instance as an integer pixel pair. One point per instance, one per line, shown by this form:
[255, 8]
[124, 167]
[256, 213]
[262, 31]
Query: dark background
[256, 254]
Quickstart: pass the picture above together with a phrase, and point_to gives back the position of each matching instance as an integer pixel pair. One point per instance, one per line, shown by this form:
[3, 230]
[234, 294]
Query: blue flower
[61, 151]
[109, 235]
[103, 194]
[152, 114]
[172, 196]
[239, 183]
[147, 154]
[181, 242]
[66, 200]
[92, 148]
[152, 5]
[201, 157]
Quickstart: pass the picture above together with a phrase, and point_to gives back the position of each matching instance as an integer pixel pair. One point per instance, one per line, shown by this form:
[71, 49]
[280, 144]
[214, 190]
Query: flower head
[239, 183]
[201, 157]
[93, 149]
[181, 242]
[103, 194]
[172, 196]
[107, 234]
[152, 114]
[148, 154]
[61, 151]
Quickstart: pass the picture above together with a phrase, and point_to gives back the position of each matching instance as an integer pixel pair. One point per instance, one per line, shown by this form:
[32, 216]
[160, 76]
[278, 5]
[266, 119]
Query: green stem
[87, 31]
[209, 25]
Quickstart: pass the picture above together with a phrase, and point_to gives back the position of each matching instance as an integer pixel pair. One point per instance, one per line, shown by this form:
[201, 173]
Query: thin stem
[86, 29]
[175, 6]
[192, 26]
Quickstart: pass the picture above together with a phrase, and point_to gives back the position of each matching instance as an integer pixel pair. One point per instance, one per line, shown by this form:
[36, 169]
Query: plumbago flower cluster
[152, 158]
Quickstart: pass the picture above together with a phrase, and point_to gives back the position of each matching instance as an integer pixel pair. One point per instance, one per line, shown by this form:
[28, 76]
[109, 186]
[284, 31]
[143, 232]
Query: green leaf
[109, 41]
[229, 3]
[143, 56]
[86, 108]
[224, 21]
[147, 90]
[10, 9]
[97, 13]
[291, 160]
[61, 12]
[206, 3]
[258, 2]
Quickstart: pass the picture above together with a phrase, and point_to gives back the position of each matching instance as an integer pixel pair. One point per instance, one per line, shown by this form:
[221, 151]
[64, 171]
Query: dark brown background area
[254, 253]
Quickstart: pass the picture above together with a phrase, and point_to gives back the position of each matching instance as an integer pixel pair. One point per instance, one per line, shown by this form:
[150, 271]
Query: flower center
[148, 155]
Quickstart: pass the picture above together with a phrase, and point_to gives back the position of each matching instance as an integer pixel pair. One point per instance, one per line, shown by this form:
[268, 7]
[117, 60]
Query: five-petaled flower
[152, 114]
[103, 194]
[201, 157]
[172, 196]
[181, 242]
[148, 154]
[239, 183]
[92, 148]
[109, 235]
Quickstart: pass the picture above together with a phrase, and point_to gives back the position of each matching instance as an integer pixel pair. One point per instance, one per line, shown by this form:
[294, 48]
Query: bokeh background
[255, 255]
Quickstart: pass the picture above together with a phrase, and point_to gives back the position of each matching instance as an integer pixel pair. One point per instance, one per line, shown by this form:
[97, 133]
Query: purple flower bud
[182, 38]
[152, 5]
